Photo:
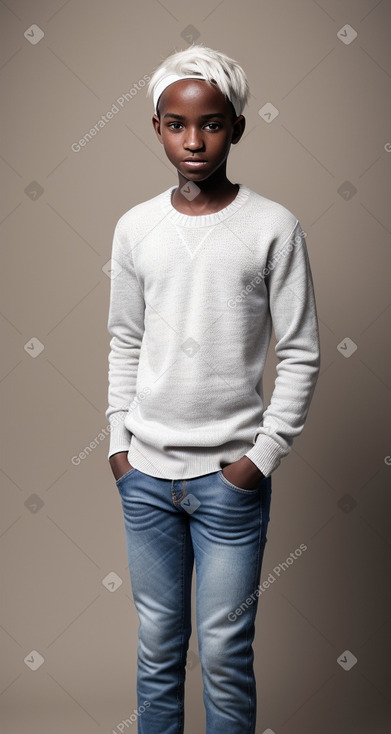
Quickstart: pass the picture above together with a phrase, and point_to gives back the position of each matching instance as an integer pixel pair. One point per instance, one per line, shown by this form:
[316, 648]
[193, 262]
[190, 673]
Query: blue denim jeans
[169, 524]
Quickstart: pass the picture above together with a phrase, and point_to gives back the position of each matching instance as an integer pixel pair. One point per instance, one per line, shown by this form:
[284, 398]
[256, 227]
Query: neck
[215, 192]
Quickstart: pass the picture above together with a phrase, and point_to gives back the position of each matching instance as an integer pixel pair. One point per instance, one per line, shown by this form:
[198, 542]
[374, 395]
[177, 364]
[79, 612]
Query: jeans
[169, 524]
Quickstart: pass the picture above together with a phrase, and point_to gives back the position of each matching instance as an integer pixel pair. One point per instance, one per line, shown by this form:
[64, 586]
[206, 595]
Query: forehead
[192, 93]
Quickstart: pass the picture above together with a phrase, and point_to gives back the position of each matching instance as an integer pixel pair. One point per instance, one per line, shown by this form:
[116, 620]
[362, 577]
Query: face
[196, 122]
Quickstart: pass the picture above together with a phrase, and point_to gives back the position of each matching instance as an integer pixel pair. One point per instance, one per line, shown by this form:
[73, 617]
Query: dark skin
[209, 139]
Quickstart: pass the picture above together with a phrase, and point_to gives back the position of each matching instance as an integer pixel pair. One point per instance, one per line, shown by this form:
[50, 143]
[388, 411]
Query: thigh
[158, 543]
[229, 534]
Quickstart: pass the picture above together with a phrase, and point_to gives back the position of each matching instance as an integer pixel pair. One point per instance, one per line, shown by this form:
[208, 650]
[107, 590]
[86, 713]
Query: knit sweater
[193, 302]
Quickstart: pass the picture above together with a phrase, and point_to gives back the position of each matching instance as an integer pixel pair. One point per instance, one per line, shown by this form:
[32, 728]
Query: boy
[201, 272]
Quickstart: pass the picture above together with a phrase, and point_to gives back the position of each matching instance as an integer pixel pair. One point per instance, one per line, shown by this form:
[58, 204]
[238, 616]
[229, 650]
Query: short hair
[218, 68]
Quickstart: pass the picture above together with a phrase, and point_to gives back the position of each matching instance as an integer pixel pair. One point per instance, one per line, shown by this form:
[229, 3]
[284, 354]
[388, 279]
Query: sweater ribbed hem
[119, 434]
[182, 464]
[266, 454]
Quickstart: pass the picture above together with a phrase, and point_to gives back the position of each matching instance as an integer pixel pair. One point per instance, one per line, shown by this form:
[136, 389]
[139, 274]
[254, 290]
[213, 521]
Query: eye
[213, 125]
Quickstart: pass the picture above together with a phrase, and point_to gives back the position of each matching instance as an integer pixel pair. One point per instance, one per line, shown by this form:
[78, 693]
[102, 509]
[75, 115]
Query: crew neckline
[203, 220]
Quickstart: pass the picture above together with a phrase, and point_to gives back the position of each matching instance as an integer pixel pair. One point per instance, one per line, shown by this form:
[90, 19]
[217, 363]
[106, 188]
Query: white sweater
[192, 304]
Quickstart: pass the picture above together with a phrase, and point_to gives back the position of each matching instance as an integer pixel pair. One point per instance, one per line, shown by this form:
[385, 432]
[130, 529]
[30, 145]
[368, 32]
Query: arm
[293, 312]
[126, 327]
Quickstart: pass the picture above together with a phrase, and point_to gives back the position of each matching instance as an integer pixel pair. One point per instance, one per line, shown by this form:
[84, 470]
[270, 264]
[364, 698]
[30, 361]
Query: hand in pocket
[119, 464]
[243, 474]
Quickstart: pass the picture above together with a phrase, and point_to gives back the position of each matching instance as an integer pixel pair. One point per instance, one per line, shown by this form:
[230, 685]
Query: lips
[194, 165]
[194, 160]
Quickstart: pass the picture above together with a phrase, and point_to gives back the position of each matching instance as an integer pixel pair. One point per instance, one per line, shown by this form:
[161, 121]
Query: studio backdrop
[77, 151]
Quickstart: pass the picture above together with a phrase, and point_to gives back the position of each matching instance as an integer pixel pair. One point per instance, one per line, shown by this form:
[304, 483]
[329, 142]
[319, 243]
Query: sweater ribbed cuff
[119, 434]
[266, 454]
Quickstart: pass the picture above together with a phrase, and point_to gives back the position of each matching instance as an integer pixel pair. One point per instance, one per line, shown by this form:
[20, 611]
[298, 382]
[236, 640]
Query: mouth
[194, 162]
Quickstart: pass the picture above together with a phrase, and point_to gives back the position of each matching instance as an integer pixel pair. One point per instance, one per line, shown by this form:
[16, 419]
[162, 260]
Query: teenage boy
[201, 274]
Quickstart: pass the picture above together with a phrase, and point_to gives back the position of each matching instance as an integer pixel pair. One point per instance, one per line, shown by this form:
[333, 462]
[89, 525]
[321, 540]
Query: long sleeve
[294, 318]
[126, 327]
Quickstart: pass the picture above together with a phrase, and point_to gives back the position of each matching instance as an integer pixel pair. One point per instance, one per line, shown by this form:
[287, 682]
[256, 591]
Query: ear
[156, 125]
[238, 129]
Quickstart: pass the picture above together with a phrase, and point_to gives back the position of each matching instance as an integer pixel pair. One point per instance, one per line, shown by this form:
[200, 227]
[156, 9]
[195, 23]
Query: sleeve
[126, 327]
[294, 318]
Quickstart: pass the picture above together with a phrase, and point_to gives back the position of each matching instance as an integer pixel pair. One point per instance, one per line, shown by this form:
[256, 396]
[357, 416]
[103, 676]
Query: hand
[243, 473]
[119, 464]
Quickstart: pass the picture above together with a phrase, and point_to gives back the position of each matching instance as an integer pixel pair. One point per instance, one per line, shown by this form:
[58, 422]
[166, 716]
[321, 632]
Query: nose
[193, 140]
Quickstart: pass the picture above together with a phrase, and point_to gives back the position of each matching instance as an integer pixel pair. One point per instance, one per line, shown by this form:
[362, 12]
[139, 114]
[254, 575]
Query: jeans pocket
[238, 489]
[124, 476]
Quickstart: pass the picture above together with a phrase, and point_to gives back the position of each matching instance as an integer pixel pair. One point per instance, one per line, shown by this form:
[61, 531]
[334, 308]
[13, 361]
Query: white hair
[218, 68]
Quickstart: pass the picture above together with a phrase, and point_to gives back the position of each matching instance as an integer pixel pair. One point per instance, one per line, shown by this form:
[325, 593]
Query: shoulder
[141, 216]
[272, 215]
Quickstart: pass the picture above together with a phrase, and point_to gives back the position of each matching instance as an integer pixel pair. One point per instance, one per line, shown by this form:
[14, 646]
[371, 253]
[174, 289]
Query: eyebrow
[203, 117]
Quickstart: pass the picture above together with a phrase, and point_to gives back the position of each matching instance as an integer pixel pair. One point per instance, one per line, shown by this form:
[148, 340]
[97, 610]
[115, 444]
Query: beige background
[327, 157]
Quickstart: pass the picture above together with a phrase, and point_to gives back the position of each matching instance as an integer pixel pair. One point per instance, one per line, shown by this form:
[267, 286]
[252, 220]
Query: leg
[161, 560]
[228, 531]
